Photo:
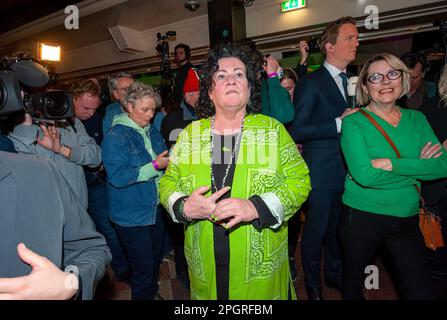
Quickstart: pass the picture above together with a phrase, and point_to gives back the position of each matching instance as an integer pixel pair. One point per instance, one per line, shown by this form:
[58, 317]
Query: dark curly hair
[205, 107]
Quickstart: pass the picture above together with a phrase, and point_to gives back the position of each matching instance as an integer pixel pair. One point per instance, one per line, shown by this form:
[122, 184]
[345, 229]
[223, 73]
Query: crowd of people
[223, 172]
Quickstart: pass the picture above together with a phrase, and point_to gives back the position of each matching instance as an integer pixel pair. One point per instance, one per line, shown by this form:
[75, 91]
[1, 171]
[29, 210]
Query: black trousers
[361, 233]
[320, 237]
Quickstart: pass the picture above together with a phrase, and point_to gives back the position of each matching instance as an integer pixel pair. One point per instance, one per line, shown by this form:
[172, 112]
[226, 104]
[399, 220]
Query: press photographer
[49, 130]
[22, 83]
[40, 210]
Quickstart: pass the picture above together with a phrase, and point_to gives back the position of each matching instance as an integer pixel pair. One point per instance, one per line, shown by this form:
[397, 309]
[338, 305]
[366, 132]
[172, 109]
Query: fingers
[202, 190]
[29, 257]
[11, 285]
[430, 151]
[44, 130]
[215, 196]
[424, 149]
[163, 154]
[7, 296]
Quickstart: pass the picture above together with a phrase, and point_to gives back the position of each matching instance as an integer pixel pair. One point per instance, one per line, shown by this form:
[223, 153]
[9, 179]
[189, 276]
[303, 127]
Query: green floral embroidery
[192, 252]
[262, 181]
[266, 253]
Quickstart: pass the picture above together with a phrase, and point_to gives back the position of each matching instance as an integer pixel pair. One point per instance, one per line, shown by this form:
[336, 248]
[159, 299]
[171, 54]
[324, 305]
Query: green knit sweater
[388, 192]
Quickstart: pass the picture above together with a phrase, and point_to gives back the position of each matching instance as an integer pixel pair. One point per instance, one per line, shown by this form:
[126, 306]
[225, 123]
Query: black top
[176, 120]
[435, 192]
[180, 78]
[93, 126]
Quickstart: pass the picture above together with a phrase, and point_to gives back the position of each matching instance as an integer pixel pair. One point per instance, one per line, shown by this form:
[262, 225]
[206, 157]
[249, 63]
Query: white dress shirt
[335, 73]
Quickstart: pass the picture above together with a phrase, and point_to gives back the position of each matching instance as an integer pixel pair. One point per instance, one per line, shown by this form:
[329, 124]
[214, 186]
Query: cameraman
[182, 53]
[67, 144]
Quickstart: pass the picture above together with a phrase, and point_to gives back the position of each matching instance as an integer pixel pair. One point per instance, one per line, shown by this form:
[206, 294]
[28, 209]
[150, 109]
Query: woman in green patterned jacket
[235, 177]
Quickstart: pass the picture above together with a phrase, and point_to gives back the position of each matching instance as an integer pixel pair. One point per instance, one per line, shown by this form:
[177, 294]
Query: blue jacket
[130, 202]
[112, 110]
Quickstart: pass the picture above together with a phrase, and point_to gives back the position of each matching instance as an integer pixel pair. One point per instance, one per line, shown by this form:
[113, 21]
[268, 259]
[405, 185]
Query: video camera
[42, 106]
[163, 45]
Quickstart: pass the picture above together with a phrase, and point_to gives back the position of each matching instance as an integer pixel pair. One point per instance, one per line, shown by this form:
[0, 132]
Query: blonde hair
[442, 85]
[362, 97]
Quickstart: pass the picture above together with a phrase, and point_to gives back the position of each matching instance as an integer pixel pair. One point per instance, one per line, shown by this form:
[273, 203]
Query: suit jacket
[318, 102]
[38, 208]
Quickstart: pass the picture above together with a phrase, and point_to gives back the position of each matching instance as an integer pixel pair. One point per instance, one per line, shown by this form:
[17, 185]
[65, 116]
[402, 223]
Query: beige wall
[265, 16]
[193, 31]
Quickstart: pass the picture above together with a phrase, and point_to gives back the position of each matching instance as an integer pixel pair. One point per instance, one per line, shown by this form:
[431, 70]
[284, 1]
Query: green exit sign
[293, 5]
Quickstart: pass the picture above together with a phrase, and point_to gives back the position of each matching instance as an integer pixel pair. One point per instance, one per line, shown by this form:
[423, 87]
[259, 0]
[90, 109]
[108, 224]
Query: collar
[188, 113]
[334, 71]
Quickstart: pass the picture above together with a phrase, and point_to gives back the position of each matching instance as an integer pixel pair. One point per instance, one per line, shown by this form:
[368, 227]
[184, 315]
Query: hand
[444, 144]
[234, 211]
[27, 120]
[51, 138]
[200, 207]
[45, 282]
[272, 65]
[348, 111]
[304, 51]
[384, 164]
[162, 160]
[431, 151]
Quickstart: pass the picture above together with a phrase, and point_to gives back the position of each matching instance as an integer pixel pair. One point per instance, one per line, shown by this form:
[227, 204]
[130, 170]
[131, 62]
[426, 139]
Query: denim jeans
[143, 246]
[97, 208]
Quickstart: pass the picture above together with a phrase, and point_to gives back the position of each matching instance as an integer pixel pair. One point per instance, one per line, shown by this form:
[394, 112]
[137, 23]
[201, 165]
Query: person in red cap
[177, 120]
[171, 127]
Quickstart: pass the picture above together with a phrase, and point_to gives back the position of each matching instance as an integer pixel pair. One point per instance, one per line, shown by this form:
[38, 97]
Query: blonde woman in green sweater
[382, 203]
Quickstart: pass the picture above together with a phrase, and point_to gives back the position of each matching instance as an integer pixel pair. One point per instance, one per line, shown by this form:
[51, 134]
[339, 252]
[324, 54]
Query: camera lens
[56, 104]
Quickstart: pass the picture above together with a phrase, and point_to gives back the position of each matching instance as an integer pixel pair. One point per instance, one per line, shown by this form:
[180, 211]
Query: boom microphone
[30, 73]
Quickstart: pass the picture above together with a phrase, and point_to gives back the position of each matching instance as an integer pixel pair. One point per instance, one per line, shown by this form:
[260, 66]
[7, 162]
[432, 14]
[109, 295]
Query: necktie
[344, 79]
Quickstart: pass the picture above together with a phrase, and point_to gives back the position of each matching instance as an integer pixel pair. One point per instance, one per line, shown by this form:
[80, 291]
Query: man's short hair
[88, 86]
[330, 33]
[186, 48]
[411, 59]
[113, 80]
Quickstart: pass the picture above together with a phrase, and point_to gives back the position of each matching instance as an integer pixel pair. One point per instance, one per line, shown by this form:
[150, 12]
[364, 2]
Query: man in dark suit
[321, 104]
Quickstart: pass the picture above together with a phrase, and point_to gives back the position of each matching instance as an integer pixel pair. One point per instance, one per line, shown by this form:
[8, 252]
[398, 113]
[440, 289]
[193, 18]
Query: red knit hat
[192, 81]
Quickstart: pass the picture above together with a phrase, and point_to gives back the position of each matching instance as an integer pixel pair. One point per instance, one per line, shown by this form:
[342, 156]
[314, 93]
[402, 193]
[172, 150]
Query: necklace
[227, 169]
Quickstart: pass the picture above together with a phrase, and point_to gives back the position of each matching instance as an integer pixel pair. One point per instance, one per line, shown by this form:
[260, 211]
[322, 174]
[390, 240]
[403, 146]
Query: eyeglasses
[377, 78]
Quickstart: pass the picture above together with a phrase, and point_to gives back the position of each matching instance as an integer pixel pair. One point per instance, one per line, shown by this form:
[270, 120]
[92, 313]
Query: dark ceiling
[19, 12]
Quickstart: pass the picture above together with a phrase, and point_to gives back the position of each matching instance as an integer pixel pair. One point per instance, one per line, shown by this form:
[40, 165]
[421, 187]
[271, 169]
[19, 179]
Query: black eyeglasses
[377, 78]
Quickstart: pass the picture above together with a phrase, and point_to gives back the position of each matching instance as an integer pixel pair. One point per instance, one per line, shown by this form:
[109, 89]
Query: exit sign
[293, 5]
